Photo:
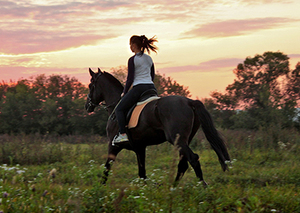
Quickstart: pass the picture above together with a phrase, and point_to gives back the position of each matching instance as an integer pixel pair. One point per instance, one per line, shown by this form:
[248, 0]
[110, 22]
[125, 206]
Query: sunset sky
[200, 41]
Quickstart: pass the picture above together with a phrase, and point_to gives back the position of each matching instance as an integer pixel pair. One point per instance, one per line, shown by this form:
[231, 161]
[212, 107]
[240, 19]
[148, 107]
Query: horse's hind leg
[192, 158]
[182, 167]
[141, 155]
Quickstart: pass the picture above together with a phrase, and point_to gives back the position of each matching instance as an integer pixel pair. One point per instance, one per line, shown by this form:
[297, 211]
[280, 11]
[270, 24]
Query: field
[62, 174]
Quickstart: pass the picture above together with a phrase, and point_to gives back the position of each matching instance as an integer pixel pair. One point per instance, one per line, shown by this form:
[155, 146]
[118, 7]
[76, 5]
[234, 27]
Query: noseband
[90, 102]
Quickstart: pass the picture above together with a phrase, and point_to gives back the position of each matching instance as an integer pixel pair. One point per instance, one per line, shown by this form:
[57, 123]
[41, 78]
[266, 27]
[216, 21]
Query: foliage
[263, 177]
[257, 83]
[53, 104]
[293, 84]
[167, 86]
[265, 88]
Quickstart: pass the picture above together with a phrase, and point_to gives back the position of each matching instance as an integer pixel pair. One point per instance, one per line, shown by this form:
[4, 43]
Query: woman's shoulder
[147, 57]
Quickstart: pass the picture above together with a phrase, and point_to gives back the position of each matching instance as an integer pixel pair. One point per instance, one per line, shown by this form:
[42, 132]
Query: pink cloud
[32, 41]
[207, 66]
[30, 10]
[236, 27]
[294, 55]
[266, 1]
[17, 73]
[29, 28]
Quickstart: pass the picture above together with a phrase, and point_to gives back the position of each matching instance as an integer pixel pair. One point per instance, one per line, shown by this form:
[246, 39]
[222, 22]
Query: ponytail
[144, 43]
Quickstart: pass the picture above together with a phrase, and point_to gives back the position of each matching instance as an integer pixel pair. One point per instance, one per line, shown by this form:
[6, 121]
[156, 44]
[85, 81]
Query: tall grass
[62, 174]
[44, 149]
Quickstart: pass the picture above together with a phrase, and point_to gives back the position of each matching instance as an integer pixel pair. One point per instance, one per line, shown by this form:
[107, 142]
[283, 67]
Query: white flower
[20, 171]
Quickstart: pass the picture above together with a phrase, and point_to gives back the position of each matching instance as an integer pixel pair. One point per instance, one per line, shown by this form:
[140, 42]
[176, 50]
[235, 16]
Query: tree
[167, 86]
[120, 73]
[258, 80]
[293, 84]
[259, 89]
[52, 104]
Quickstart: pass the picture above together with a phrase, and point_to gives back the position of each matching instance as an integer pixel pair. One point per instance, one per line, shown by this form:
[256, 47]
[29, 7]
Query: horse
[175, 119]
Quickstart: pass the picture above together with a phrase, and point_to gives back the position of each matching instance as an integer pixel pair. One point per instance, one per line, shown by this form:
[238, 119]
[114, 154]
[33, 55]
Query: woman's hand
[122, 94]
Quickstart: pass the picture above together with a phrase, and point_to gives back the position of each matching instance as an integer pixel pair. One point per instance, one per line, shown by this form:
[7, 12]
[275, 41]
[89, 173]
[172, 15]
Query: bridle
[89, 97]
[90, 102]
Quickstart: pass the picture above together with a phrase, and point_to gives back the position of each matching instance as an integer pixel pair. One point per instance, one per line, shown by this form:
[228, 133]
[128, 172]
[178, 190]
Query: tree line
[55, 105]
[265, 92]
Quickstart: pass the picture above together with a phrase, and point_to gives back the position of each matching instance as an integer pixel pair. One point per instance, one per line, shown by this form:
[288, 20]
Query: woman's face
[134, 48]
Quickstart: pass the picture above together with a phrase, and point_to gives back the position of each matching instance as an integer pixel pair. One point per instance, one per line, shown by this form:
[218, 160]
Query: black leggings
[128, 100]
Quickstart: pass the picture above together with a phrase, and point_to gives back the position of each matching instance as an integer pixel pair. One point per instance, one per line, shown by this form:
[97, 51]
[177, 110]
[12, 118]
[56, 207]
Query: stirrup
[119, 139]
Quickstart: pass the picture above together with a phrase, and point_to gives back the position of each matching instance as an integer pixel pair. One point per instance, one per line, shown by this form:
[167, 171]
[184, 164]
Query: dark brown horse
[161, 120]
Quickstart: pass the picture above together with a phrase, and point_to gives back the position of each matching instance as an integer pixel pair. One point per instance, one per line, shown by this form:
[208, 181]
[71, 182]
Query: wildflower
[5, 194]
[172, 189]
[20, 171]
[33, 188]
[281, 145]
[52, 173]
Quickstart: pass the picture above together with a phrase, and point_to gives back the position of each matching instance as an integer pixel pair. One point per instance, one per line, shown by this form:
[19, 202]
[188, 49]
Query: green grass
[39, 176]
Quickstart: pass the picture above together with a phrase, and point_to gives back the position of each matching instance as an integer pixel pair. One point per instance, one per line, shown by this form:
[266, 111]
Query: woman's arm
[152, 72]
[130, 75]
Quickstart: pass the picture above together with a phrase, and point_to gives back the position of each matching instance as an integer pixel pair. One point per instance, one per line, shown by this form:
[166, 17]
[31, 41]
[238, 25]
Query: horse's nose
[89, 108]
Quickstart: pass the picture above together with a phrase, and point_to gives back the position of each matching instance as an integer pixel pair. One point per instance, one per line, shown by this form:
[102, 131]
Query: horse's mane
[113, 80]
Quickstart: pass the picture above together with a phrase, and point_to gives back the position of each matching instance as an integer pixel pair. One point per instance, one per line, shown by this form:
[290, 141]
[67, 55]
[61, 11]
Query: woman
[140, 76]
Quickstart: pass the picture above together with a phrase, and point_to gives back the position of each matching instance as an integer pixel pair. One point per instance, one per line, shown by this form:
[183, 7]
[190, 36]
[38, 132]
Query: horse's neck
[112, 98]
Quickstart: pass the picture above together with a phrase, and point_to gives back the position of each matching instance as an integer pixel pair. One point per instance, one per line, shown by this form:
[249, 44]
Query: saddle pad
[137, 111]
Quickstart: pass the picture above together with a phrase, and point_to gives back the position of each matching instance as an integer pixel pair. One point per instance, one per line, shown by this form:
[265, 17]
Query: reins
[110, 116]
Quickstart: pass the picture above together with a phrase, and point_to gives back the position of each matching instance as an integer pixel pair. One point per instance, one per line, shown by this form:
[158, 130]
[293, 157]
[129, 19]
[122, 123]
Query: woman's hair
[144, 43]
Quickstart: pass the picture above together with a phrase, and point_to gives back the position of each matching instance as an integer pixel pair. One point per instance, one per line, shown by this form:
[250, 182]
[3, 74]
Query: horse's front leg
[141, 155]
[112, 155]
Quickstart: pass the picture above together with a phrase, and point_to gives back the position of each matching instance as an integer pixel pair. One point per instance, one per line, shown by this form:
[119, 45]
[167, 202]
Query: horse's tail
[212, 135]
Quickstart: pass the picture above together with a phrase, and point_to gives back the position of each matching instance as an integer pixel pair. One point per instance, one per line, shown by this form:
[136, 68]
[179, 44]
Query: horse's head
[95, 96]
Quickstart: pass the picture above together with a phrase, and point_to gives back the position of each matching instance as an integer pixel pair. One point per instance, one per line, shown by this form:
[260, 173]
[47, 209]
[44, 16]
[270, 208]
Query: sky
[200, 42]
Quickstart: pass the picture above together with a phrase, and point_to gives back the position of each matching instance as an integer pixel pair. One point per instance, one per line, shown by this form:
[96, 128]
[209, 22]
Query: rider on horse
[140, 75]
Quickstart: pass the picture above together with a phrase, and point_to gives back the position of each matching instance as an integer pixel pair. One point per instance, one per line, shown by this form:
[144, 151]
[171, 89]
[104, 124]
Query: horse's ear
[92, 73]
[99, 71]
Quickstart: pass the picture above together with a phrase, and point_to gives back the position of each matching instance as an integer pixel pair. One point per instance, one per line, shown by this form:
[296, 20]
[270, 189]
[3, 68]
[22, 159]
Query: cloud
[294, 55]
[236, 27]
[266, 1]
[32, 28]
[33, 41]
[207, 66]
[15, 73]
[28, 27]
[38, 11]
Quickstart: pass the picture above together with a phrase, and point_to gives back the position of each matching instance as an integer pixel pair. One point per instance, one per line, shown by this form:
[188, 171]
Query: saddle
[133, 114]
